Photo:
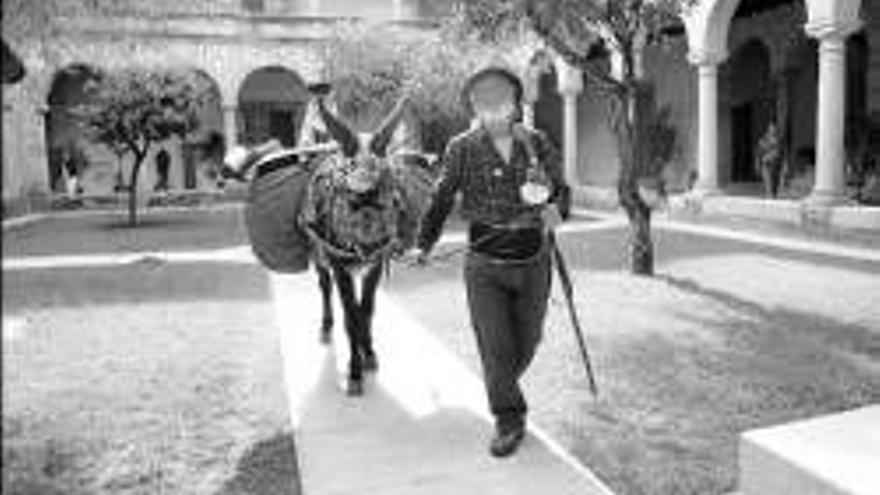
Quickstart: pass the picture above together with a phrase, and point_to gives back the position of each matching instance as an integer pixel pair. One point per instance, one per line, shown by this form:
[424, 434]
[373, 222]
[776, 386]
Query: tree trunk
[641, 246]
[132, 191]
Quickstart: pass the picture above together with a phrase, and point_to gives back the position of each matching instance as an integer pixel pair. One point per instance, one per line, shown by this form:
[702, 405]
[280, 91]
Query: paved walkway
[420, 428]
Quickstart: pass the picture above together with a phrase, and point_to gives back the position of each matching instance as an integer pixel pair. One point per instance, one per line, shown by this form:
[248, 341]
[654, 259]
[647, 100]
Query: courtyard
[180, 368]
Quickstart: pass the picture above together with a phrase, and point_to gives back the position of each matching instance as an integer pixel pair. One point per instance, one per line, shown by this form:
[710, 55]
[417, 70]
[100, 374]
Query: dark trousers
[507, 303]
[771, 173]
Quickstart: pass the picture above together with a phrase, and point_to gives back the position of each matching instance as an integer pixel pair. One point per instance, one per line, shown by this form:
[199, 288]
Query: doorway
[743, 143]
[271, 104]
[752, 108]
[282, 127]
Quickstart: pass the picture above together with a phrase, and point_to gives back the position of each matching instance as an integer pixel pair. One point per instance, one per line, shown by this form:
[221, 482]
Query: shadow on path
[148, 221]
[859, 340]
[269, 467]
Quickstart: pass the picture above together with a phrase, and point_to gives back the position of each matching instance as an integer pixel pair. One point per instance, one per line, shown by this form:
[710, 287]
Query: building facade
[257, 55]
[811, 65]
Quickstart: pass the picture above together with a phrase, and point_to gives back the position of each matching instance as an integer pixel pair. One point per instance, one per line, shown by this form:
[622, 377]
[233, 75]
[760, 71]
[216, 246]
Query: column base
[705, 190]
[820, 198]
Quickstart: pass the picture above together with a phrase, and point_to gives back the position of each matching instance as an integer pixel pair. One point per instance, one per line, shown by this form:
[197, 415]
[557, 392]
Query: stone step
[830, 455]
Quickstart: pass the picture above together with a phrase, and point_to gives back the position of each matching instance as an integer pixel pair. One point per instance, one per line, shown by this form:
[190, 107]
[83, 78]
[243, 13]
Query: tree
[133, 109]
[577, 30]
[371, 66]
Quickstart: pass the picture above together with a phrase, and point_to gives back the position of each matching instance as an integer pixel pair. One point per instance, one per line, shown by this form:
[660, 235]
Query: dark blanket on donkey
[274, 204]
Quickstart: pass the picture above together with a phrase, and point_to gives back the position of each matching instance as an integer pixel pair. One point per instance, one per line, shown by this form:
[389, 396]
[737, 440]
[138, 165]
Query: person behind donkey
[163, 163]
[75, 162]
[511, 184]
[770, 161]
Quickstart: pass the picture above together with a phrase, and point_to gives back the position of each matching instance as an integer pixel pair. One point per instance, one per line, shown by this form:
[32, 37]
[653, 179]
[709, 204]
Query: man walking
[511, 184]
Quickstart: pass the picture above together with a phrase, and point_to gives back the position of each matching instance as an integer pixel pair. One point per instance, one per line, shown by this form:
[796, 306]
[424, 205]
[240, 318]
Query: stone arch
[271, 103]
[201, 153]
[211, 115]
[708, 23]
[63, 129]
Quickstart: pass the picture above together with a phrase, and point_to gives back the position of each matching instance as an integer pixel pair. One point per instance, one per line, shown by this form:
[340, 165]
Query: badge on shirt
[534, 193]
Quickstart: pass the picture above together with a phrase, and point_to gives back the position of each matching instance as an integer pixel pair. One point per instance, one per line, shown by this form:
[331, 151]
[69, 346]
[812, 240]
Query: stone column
[570, 86]
[707, 134]
[230, 125]
[531, 90]
[830, 186]
[528, 113]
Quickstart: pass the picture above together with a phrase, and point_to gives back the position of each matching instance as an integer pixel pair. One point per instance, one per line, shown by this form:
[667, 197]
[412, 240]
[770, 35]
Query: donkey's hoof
[371, 364]
[354, 388]
[326, 331]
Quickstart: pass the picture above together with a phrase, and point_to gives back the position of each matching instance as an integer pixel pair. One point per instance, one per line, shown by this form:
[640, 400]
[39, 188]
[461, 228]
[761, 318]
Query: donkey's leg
[368, 302]
[325, 281]
[345, 284]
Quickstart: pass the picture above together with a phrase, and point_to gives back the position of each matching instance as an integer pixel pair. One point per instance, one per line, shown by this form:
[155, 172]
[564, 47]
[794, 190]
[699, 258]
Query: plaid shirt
[489, 186]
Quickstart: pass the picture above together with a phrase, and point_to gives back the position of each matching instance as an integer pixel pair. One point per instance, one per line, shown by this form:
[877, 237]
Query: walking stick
[522, 135]
[568, 291]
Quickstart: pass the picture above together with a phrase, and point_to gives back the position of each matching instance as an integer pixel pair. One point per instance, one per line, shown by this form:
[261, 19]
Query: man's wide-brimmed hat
[485, 73]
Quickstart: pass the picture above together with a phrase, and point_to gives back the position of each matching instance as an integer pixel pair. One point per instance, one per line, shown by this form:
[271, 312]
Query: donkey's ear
[338, 130]
[380, 141]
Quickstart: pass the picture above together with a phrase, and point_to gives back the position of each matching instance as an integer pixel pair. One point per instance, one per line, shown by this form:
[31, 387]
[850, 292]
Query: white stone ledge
[831, 455]
[793, 212]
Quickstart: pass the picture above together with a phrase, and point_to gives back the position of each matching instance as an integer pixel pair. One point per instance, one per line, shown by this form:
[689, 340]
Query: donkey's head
[365, 155]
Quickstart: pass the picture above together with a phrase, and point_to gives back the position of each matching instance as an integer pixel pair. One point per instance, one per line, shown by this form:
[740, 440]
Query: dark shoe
[371, 363]
[354, 387]
[505, 443]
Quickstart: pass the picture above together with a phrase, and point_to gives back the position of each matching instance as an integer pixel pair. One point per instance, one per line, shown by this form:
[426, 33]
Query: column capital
[707, 70]
[706, 59]
[571, 80]
[832, 30]
[531, 84]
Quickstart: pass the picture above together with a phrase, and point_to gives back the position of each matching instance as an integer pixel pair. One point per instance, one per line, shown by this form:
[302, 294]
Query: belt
[508, 242]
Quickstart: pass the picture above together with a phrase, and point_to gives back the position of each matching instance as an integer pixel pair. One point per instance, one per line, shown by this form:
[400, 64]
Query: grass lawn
[156, 378]
[143, 379]
[103, 232]
[718, 343]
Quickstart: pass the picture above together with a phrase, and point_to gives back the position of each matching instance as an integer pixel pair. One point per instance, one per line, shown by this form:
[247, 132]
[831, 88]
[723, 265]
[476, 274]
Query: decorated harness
[356, 228]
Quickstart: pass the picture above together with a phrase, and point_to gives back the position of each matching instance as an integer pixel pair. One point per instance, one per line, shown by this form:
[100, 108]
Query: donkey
[357, 214]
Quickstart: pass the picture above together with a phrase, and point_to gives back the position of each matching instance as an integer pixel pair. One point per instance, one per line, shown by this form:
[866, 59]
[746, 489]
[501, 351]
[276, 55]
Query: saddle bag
[275, 201]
